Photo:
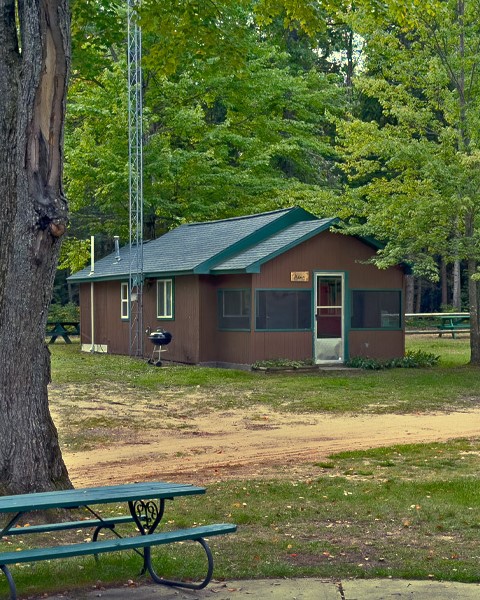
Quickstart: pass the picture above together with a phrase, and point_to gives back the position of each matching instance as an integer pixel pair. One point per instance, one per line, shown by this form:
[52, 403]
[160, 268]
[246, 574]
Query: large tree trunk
[33, 216]
[473, 293]
[474, 314]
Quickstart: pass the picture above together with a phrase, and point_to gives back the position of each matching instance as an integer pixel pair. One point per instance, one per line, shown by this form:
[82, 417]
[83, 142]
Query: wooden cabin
[281, 284]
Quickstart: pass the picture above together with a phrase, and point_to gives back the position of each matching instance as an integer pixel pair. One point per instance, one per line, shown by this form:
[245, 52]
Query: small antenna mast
[135, 151]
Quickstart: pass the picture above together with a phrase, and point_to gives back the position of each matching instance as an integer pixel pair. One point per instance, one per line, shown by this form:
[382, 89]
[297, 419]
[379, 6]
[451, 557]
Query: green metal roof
[240, 244]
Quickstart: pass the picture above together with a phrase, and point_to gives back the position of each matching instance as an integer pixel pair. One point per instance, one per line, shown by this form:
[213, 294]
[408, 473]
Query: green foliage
[236, 120]
[65, 312]
[74, 254]
[97, 27]
[96, 154]
[413, 359]
[409, 183]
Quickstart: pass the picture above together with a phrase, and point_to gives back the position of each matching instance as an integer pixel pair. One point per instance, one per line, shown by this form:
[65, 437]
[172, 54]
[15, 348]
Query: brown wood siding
[84, 298]
[327, 252]
[295, 345]
[184, 327]
[377, 344]
[110, 329]
[217, 345]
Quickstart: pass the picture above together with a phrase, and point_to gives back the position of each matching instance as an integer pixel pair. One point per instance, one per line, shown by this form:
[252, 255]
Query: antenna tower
[135, 156]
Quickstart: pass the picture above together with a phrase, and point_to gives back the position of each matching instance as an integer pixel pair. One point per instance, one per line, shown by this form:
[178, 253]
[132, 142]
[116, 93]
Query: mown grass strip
[409, 511]
[450, 385]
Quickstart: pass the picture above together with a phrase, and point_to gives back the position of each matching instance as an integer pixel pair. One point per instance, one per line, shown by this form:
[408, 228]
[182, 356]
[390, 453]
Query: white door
[329, 318]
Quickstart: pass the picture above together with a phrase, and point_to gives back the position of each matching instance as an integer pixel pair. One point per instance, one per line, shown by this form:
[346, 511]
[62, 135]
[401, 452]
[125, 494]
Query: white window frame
[166, 311]
[124, 301]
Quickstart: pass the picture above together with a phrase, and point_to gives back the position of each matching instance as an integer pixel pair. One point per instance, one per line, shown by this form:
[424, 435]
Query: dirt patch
[233, 444]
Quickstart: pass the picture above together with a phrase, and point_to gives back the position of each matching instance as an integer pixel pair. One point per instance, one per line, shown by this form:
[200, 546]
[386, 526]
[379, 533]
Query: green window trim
[165, 299]
[124, 301]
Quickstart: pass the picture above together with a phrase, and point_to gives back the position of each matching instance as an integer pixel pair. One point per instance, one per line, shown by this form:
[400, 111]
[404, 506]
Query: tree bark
[473, 294]
[34, 65]
[418, 299]
[409, 293]
[444, 282]
[457, 287]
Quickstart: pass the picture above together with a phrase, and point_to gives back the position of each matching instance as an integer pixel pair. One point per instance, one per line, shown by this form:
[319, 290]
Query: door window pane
[329, 291]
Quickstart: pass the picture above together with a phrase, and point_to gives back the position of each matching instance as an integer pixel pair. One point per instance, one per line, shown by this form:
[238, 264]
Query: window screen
[283, 309]
[234, 309]
[376, 309]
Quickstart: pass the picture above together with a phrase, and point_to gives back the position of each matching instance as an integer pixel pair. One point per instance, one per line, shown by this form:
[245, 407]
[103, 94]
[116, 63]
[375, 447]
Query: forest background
[361, 109]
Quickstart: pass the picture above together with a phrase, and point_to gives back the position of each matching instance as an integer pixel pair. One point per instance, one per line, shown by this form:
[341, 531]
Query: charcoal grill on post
[159, 339]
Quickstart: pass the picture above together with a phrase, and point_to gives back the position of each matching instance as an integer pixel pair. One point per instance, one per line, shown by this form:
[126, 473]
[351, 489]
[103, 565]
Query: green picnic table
[63, 329]
[146, 506]
[453, 324]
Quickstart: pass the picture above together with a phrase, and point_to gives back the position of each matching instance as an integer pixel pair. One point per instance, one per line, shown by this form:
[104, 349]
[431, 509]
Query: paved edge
[287, 589]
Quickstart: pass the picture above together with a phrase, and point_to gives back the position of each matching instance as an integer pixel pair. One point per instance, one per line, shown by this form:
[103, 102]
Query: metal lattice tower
[135, 151]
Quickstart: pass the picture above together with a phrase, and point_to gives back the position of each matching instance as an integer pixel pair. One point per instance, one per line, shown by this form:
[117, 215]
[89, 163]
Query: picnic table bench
[63, 329]
[146, 504]
[453, 324]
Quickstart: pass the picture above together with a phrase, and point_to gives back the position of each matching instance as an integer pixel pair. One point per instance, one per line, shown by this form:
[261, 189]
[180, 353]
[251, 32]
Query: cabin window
[376, 309]
[234, 309]
[283, 310]
[124, 301]
[164, 299]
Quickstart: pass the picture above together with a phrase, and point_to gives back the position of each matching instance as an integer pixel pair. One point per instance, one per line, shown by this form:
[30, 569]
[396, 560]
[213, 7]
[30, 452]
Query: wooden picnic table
[146, 506]
[63, 329]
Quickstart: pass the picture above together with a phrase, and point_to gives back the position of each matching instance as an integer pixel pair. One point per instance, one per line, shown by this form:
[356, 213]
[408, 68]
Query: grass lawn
[450, 385]
[410, 511]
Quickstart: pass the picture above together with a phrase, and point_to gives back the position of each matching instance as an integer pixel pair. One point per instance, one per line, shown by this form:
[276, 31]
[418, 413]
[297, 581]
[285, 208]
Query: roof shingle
[209, 247]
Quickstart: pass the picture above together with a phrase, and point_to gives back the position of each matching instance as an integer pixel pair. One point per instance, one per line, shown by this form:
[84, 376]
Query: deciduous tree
[34, 63]
[414, 172]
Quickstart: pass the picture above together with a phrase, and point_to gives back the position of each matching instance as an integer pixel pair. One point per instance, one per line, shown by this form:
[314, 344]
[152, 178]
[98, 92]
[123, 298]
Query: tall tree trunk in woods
[457, 287]
[418, 299]
[444, 282]
[464, 142]
[473, 295]
[409, 293]
[34, 63]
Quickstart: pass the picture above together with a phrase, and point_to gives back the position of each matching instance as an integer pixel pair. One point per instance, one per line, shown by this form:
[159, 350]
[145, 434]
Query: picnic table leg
[189, 586]
[11, 583]
[147, 515]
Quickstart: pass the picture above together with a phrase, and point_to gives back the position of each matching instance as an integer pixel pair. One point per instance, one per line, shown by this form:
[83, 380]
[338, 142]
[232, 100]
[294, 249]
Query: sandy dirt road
[231, 445]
